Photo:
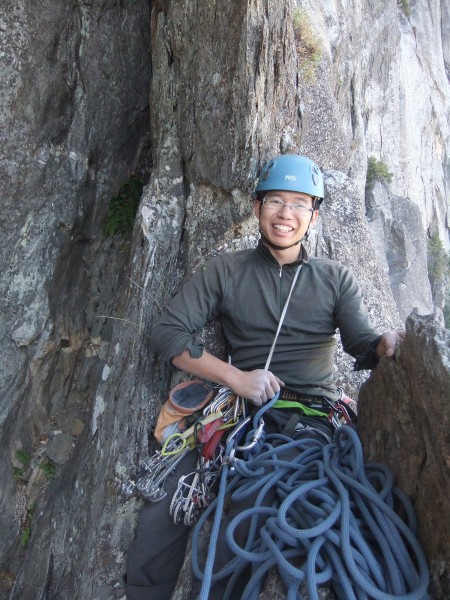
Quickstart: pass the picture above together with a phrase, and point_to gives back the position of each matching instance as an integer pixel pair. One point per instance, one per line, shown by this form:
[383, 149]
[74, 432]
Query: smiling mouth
[283, 228]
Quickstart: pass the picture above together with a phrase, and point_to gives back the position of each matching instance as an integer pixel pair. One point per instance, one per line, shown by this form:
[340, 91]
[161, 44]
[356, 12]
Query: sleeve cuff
[195, 348]
[369, 360]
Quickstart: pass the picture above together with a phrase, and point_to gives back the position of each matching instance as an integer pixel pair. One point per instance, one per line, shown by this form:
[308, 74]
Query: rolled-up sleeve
[196, 303]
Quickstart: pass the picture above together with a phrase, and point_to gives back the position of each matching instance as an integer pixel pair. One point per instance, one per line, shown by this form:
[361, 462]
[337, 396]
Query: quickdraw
[151, 475]
[194, 491]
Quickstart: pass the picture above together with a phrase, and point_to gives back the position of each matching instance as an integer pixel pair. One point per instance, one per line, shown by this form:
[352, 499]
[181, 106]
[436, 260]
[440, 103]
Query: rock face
[405, 423]
[230, 86]
[396, 228]
[74, 126]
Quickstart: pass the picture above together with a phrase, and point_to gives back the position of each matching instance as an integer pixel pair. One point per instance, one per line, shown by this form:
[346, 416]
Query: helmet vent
[267, 170]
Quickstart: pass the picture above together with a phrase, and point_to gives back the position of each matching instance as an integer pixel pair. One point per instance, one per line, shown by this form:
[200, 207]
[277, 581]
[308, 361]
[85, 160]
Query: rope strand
[334, 523]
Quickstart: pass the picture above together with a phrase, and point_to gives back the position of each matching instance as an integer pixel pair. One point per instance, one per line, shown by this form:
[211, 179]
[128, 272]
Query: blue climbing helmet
[291, 173]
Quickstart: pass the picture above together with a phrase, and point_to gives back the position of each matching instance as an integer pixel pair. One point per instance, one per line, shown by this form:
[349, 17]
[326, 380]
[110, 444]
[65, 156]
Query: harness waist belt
[319, 402]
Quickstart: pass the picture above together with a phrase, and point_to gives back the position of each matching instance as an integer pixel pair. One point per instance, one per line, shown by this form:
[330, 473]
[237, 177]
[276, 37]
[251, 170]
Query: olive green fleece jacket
[247, 291]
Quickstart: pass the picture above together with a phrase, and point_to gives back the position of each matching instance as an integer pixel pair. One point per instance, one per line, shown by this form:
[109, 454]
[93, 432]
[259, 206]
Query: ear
[257, 208]
[314, 217]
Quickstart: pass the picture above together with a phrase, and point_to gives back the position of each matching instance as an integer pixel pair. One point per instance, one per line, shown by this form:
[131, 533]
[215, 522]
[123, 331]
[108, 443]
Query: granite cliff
[190, 98]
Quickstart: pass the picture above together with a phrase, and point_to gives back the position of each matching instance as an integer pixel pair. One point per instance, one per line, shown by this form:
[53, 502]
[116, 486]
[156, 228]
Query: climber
[247, 291]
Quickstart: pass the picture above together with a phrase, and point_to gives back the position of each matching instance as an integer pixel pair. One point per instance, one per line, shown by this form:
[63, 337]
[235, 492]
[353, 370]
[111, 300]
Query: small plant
[446, 309]
[377, 171]
[439, 272]
[309, 48]
[405, 5]
[25, 532]
[23, 457]
[18, 473]
[49, 468]
[123, 207]
[25, 536]
[438, 259]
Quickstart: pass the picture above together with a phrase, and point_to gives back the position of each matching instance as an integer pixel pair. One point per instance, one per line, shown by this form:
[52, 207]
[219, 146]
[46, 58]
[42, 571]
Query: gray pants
[156, 554]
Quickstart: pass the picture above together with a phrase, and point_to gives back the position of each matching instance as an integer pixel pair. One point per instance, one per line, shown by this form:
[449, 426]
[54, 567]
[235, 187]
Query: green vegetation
[308, 46]
[438, 259]
[123, 207]
[25, 532]
[23, 457]
[25, 535]
[405, 5]
[439, 272]
[18, 473]
[377, 171]
[446, 310]
[49, 468]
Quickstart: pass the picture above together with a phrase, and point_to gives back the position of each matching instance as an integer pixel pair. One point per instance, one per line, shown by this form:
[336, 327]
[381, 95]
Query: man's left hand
[389, 343]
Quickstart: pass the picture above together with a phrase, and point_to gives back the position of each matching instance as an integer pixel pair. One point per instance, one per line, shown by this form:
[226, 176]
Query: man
[247, 291]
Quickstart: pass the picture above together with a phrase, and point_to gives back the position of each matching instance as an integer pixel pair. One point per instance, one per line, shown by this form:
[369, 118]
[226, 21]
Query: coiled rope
[335, 520]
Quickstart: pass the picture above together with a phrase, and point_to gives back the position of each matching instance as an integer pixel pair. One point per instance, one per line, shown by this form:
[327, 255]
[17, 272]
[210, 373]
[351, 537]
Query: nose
[285, 211]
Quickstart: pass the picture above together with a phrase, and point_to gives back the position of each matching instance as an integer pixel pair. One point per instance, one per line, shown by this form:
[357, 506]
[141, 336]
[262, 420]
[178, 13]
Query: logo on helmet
[290, 178]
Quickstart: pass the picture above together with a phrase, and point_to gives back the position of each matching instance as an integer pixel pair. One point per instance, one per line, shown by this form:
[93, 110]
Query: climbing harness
[319, 514]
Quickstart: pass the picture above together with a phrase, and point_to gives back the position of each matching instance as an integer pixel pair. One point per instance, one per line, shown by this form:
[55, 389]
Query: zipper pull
[281, 269]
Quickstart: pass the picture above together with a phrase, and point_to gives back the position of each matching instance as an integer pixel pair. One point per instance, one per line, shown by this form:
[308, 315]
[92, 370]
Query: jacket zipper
[280, 294]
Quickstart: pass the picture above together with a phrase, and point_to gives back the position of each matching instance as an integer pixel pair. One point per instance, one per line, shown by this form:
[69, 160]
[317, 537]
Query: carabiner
[255, 438]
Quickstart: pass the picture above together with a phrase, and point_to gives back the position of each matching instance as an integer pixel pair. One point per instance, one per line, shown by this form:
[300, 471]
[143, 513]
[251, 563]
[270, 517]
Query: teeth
[283, 228]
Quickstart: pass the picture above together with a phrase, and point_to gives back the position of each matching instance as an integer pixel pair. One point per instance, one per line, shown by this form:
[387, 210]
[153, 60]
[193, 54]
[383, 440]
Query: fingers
[261, 386]
[390, 342]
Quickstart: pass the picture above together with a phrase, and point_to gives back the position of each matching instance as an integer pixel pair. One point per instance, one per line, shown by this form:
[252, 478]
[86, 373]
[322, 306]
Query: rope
[218, 506]
[320, 515]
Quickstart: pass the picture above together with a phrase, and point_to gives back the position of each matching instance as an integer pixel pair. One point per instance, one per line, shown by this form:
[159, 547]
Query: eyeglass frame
[296, 207]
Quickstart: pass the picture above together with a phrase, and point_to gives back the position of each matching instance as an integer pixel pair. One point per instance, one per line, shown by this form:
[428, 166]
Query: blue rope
[207, 576]
[333, 522]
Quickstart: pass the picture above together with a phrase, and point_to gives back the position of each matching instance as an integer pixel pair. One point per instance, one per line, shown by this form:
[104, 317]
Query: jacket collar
[267, 255]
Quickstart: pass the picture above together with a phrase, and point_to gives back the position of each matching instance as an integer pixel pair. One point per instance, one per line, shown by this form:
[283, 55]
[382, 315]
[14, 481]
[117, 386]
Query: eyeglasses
[277, 204]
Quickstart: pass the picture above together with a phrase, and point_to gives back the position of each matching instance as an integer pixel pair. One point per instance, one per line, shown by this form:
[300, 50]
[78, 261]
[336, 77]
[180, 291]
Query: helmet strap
[275, 247]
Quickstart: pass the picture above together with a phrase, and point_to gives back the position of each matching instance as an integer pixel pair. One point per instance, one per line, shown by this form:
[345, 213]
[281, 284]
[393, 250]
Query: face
[280, 225]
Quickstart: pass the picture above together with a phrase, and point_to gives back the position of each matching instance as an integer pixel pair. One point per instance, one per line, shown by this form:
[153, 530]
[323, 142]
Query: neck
[284, 257]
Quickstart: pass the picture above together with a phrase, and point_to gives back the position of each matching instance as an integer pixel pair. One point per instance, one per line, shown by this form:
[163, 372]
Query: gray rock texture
[397, 232]
[193, 98]
[74, 126]
[404, 423]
